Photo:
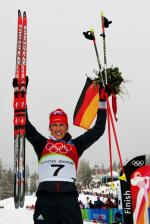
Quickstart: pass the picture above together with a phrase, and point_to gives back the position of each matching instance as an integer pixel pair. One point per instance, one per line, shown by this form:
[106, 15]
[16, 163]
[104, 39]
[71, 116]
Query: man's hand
[103, 92]
[102, 98]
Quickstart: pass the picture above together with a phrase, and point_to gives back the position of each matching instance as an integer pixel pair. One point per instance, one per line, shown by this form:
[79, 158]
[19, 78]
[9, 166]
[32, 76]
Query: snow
[10, 215]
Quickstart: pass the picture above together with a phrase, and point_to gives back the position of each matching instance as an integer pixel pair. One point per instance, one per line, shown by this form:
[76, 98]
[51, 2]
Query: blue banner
[106, 216]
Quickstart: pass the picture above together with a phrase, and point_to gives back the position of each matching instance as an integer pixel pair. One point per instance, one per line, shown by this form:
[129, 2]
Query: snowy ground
[10, 215]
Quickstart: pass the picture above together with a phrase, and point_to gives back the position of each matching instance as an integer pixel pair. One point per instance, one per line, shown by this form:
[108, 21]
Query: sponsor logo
[137, 163]
[58, 147]
[40, 217]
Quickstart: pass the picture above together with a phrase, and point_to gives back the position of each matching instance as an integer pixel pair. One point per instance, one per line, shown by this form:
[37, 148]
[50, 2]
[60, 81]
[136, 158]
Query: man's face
[58, 130]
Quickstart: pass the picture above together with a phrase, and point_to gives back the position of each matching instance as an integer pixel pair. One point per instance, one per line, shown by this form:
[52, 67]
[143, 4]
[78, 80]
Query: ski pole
[104, 46]
[109, 142]
[105, 24]
[91, 36]
[115, 136]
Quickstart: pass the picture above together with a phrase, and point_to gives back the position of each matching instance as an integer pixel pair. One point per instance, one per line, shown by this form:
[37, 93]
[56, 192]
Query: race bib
[56, 167]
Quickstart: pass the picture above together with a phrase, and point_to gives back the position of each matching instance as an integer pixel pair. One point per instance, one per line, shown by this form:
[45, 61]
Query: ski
[20, 111]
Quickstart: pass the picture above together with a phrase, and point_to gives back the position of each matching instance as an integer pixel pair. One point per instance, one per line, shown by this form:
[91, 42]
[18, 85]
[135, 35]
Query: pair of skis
[20, 111]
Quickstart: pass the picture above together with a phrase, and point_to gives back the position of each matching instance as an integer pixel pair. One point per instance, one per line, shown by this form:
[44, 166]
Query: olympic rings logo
[138, 163]
[58, 147]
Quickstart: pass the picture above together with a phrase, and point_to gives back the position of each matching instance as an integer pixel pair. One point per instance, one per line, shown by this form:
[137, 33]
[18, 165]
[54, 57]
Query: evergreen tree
[1, 171]
[27, 180]
[115, 165]
[84, 175]
[1, 168]
[33, 182]
[6, 185]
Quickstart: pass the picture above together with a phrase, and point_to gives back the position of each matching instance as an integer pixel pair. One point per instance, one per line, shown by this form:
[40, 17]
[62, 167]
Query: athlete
[57, 196]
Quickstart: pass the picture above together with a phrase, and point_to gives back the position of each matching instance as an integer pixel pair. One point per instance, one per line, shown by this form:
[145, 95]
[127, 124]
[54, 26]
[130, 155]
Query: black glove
[15, 82]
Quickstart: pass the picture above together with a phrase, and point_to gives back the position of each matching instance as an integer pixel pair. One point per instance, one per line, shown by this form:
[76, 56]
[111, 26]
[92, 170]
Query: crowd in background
[98, 203]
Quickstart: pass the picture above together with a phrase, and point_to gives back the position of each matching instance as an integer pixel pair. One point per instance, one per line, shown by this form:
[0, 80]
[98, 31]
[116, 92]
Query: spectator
[118, 217]
[109, 203]
[81, 204]
[91, 205]
[98, 203]
[87, 203]
[116, 203]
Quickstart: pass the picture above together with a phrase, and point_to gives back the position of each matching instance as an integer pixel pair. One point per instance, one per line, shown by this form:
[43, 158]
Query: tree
[33, 182]
[1, 168]
[1, 171]
[115, 165]
[27, 180]
[6, 184]
[84, 174]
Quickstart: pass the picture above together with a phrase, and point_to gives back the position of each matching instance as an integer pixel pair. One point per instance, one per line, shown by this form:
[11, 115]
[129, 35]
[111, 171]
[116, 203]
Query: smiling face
[58, 130]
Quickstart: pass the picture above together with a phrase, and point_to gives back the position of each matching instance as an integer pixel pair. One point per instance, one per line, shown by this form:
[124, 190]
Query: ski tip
[24, 14]
[19, 12]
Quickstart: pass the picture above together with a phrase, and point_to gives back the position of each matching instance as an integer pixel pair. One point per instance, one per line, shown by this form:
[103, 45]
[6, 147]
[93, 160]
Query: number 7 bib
[58, 162]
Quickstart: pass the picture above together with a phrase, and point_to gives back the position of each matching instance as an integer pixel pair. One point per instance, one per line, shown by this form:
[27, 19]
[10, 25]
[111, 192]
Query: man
[58, 156]
[57, 197]
[87, 202]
